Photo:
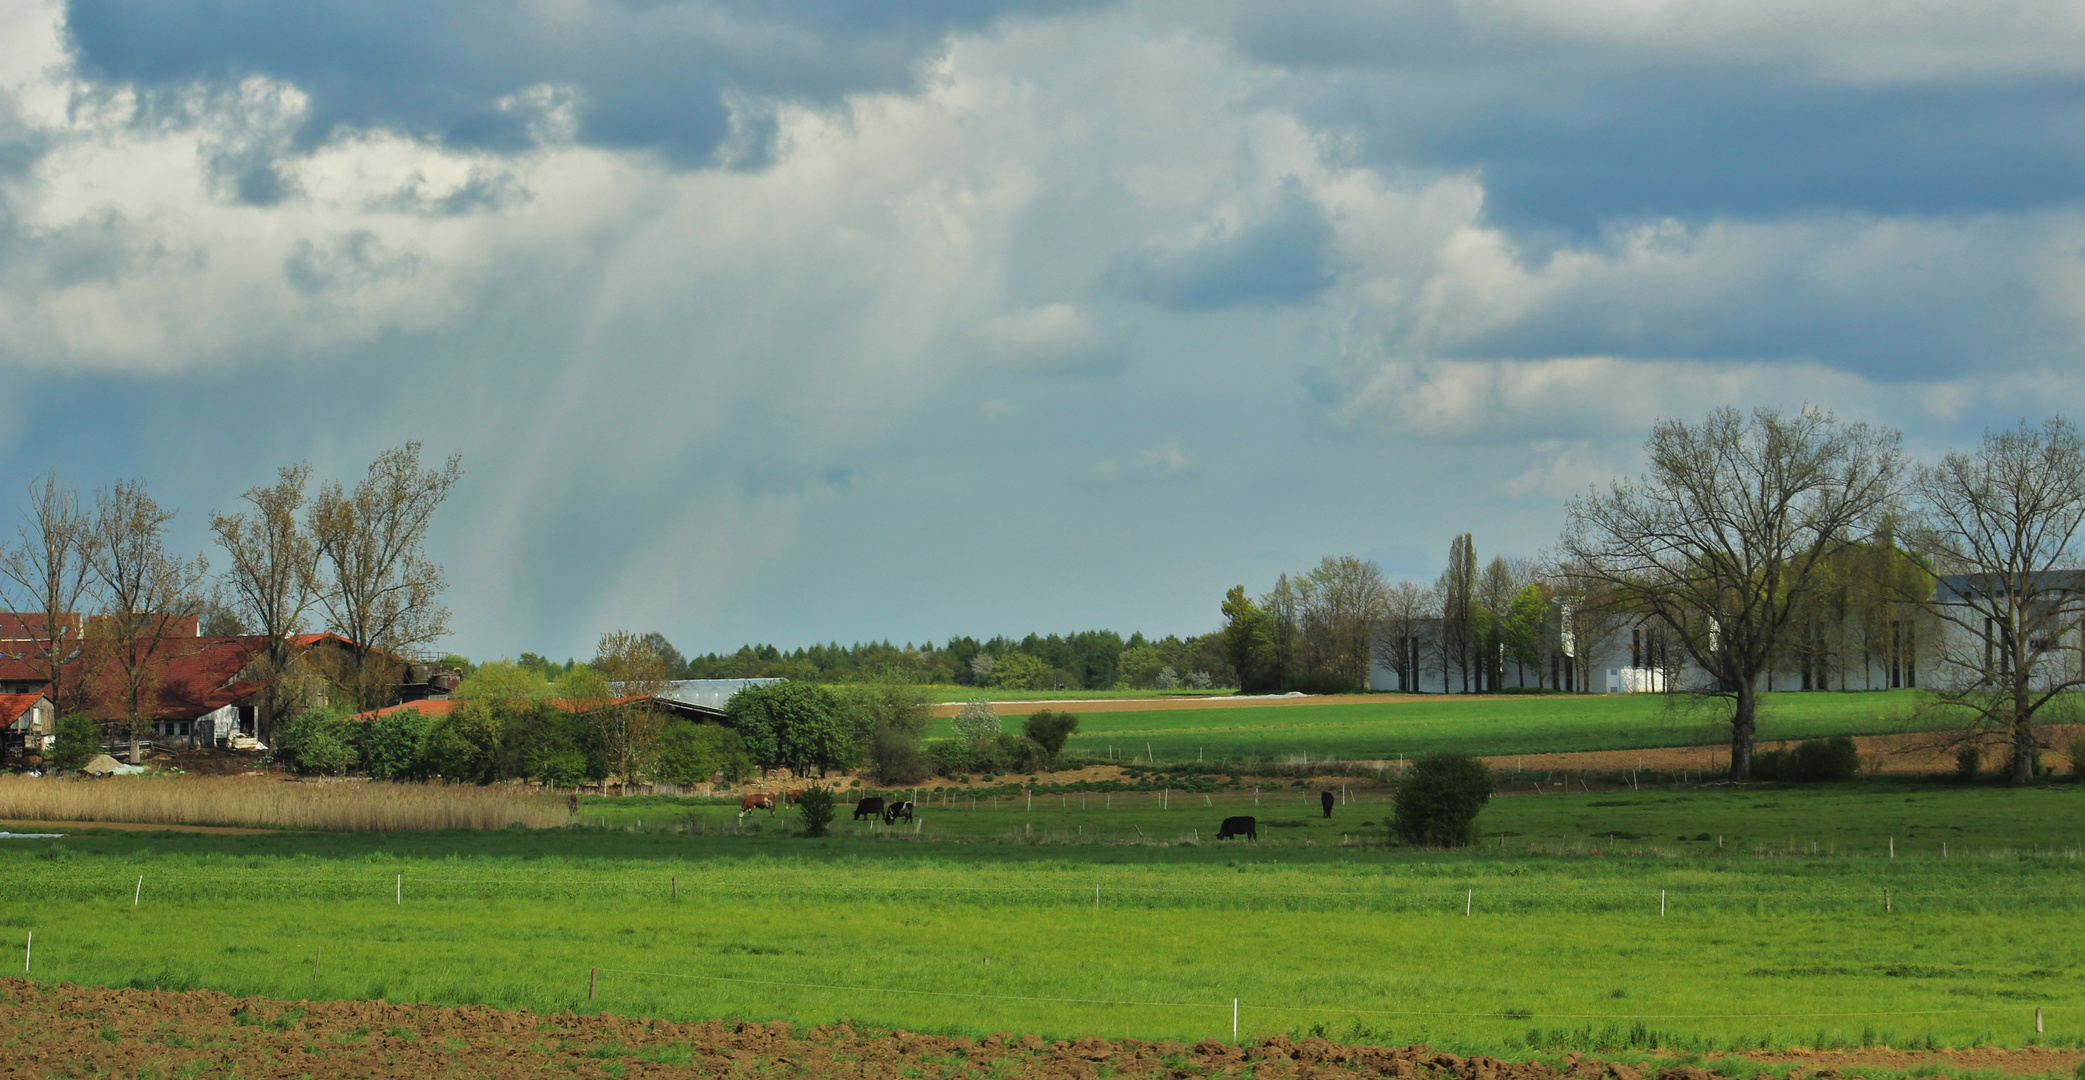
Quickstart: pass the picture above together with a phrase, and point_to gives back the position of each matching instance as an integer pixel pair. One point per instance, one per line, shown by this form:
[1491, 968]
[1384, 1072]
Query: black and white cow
[895, 810]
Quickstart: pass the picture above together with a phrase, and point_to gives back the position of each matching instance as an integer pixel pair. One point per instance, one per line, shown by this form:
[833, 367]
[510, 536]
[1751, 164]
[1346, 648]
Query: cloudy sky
[808, 319]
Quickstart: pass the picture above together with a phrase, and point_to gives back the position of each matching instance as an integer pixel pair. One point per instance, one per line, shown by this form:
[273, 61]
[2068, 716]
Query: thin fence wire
[1495, 899]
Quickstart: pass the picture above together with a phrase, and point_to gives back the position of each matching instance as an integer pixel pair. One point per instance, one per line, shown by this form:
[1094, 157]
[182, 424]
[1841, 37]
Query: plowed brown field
[66, 1030]
[1892, 754]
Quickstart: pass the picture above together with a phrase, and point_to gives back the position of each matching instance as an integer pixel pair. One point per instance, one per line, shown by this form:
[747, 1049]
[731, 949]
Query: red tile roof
[430, 708]
[12, 706]
[446, 706]
[200, 675]
[29, 625]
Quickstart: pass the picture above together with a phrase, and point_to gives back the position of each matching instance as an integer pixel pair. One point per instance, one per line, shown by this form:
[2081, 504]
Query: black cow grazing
[897, 810]
[1325, 797]
[1239, 826]
[870, 807]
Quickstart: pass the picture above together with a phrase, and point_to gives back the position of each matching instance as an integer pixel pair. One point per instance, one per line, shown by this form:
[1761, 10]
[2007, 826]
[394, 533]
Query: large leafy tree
[1722, 535]
[1246, 633]
[799, 726]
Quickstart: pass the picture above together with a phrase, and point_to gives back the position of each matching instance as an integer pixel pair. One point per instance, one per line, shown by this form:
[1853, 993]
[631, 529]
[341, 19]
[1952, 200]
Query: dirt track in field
[66, 1030]
[1887, 754]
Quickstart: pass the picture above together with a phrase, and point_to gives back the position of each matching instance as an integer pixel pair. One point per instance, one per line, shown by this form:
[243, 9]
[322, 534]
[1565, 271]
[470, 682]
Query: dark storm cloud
[1592, 150]
[647, 75]
[1569, 130]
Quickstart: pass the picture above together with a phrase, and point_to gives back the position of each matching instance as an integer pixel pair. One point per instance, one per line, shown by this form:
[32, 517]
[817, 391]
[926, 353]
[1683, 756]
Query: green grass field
[1509, 724]
[949, 692]
[1861, 817]
[1565, 947]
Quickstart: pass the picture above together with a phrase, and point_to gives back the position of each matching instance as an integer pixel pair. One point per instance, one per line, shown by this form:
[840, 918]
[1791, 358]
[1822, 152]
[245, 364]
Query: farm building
[694, 699]
[704, 699]
[1623, 655]
[206, 690]
[27, 725]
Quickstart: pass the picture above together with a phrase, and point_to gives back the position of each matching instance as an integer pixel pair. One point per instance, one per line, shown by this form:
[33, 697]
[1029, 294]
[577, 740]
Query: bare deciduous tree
[1719, 539]
[1284, 627]
[1400, 641]
[376, 585]
[49, 573]
[2003, 524]
[1492, 601]
[145, 592]
[1340, 602]
[269, 582]
[1589, 617]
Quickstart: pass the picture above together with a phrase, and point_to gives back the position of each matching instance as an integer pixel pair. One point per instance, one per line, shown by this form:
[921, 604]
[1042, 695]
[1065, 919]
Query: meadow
[1663, 919]
[1491, 725]
[1564, 946]
[1868, 817]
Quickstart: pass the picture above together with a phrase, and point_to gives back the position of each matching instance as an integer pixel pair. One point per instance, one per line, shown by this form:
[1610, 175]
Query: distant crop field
[1564, 947]
[1484, 725]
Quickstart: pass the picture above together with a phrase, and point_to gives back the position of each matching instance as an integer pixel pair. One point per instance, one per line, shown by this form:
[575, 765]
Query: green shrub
[1049, 730]
[78, 741]
[391, 744]
[1809, 762]
[815, 805]
[318, 741]
[2077, 756]
[1438, 802]
[1819, 760]
[1019, 753]
[959, 757]
[1005, 753]
[1968, 761]
[554, 747]
[894, 718]
[895, 757]
[689, 753]
[465, 745]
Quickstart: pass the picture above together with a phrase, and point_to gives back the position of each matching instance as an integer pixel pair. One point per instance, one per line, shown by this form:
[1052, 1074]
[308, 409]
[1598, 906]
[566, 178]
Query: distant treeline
[1087, 660]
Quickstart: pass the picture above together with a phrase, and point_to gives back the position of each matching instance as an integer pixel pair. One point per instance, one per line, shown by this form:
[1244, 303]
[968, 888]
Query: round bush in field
[815, 805]
[1438, 801]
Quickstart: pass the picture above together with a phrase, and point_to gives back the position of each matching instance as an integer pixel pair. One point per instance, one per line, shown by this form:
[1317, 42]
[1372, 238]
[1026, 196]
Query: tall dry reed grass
[270, 803]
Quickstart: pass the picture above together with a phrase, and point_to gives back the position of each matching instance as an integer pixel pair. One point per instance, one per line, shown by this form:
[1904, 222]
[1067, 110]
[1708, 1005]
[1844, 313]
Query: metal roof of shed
[708, 695]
